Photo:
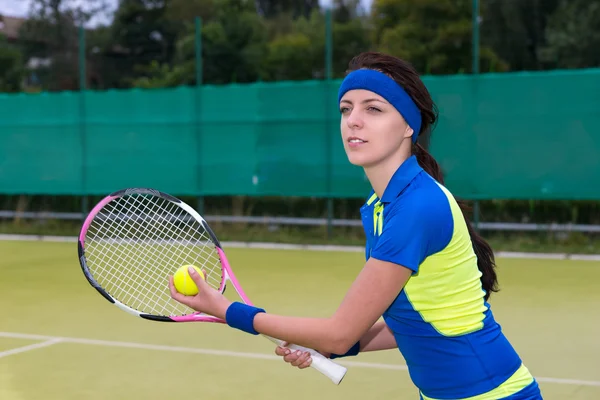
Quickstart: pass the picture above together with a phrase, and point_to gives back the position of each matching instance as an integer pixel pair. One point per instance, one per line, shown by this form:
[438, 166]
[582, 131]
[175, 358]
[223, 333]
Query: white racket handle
[324, 365]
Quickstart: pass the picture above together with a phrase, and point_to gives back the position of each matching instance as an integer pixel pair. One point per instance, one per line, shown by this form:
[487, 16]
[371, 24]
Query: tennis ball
[183, 281]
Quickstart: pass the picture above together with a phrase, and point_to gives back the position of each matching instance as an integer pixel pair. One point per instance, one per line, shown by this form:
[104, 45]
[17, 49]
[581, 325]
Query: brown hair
[408, 78]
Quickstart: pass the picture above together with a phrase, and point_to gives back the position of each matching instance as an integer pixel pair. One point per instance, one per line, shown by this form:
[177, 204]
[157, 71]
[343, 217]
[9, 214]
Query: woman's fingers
[296, 358]
[281, 351]
[306, 364]
[300, 359]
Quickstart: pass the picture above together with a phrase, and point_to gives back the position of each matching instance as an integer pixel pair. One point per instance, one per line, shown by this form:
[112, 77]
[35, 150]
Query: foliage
[151, 43]
[293, 8]
[516, 30]
[11, 67]
[49, 39]
[435, 35]
[573, 35]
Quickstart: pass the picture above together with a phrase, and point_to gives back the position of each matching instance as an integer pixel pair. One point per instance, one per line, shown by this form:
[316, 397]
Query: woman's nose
[354, 120]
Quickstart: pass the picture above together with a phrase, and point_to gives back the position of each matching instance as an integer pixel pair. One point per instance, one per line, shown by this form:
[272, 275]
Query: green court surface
[59, 339]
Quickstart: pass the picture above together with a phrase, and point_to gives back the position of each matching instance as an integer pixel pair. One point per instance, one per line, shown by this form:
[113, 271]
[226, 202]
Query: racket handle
[324, 365]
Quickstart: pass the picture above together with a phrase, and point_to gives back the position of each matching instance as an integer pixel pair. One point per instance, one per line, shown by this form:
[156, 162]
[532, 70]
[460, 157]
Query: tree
[289, 58]
[516, 30]
[573, 35]
[11, 67]
[345, 11]
[177, 17]
[234, 46]
[141, 34]
[51, 34]
[299, 53]
[296, 8]
[349, 39]
[433, 35]
[184, 12]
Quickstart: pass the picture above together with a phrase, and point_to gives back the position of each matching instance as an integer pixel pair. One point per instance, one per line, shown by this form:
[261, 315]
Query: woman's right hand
[300, 359]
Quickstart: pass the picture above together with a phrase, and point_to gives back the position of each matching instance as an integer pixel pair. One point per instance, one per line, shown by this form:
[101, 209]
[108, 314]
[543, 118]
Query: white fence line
[489, 226]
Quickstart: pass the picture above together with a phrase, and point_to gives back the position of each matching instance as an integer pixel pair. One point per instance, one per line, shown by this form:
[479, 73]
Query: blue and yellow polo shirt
[444, 328]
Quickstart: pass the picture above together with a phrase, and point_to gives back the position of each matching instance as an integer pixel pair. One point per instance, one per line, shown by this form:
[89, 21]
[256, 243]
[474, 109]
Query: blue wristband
[354, 350]
[241, 316]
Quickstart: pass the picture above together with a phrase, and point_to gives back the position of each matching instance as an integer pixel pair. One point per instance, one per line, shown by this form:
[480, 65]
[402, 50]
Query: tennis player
[427, 272]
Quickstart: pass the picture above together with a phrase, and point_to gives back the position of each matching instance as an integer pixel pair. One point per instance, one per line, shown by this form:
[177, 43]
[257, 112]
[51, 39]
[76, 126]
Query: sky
[19, 8]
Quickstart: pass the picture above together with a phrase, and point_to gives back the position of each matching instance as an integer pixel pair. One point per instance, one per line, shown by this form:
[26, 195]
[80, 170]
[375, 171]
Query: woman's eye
[343, 110]
[374, 109]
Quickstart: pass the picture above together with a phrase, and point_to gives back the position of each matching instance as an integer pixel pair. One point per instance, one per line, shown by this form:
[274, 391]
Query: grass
[544, 308]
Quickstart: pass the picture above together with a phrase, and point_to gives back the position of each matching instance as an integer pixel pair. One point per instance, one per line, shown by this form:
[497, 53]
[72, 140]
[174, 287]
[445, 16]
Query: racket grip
[324, 365]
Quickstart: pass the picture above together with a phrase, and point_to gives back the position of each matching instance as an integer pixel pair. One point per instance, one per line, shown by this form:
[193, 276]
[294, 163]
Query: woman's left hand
[208, 300]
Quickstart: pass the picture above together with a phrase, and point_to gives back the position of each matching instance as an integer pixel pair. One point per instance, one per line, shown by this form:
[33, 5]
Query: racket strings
[104, 252]
[150, 234]
[135, 242]
[128, 287]
[142, 275]
[129, 276]
[207, 250]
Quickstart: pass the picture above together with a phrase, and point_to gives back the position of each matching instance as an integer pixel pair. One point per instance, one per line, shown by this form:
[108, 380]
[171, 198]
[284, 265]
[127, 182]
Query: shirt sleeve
[414, 229]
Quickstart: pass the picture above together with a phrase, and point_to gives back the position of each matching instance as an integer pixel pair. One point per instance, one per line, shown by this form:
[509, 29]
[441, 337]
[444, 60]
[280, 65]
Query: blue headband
[387, 88]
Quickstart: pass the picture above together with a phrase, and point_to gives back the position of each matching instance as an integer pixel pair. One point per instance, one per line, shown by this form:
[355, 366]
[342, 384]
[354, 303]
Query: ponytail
[485, 255]
[428, 163]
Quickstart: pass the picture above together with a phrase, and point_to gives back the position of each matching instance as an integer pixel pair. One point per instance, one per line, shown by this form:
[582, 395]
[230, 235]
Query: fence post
[82, 121]
[197, 112]
[476, 213]
[475, 39]
[328, 138]
[475, 68]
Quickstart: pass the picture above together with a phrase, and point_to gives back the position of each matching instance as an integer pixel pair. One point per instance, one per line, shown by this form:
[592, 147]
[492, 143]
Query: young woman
[427, 273]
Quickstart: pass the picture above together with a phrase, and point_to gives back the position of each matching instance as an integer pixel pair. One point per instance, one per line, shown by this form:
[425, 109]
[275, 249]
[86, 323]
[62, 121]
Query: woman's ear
[408, 132]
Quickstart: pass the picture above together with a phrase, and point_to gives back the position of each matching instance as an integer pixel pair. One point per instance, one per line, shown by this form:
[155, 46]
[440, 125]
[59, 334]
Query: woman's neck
[380, 174]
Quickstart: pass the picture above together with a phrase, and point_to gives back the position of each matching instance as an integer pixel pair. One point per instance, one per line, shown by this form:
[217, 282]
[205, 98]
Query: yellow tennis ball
[183, 281]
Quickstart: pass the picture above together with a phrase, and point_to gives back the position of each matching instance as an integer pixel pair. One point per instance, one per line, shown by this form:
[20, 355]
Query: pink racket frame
[227, 273]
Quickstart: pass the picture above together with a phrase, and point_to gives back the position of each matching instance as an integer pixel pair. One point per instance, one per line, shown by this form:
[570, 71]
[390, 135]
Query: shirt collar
[401, 178]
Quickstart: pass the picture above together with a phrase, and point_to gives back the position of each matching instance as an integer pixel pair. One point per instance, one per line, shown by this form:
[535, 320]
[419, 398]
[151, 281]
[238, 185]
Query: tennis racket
[134, 239]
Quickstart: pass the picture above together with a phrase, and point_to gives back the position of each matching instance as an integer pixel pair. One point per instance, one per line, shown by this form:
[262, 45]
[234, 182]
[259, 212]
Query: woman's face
[372, 129]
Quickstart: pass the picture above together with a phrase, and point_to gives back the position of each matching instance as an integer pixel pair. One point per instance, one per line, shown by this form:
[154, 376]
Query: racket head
[134, 239]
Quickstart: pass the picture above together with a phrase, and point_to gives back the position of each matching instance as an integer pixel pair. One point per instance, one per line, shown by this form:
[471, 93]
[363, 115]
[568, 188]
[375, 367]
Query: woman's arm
[379, 337]
[375, 288]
